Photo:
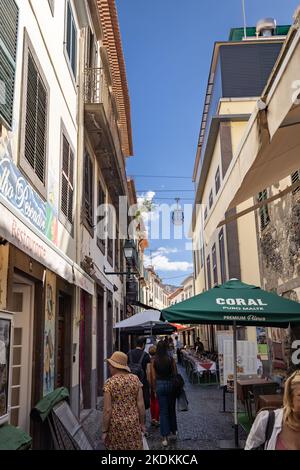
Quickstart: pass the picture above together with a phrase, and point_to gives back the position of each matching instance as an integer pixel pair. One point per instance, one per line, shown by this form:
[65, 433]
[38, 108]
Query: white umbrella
[147, 316]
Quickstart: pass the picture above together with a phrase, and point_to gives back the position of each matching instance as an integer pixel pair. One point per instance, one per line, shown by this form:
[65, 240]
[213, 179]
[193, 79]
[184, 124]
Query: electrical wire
[165, 190]
[161, 176]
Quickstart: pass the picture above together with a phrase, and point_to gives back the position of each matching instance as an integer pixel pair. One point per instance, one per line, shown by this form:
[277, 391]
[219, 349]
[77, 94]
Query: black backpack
[136, 367]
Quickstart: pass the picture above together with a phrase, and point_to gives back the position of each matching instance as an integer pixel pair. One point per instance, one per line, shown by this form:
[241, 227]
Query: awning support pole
[236, 424]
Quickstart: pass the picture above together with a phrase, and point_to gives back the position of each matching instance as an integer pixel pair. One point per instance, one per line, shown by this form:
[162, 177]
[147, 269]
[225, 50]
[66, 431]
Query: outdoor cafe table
[269, 401]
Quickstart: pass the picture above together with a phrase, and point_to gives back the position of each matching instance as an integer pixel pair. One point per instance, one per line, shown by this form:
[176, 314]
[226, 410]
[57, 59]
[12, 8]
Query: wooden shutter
[67, 180]
[71, 39]
[222, 256]
[263, 211]
[208, 272]
[88, 190]
[215, 267]
[296, 177]
[9, 14]
[36, 120]
[101, 201]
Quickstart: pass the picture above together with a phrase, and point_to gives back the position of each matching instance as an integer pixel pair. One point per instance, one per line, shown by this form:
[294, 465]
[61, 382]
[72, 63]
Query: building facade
[65, 134]
[239, 72]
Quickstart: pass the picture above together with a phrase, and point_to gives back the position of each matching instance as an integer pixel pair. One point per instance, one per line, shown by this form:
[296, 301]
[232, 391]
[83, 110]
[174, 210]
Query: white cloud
[165, 250]
[162, 263]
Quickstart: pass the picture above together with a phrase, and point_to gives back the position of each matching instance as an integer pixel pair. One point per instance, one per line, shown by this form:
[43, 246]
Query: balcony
[101, 124]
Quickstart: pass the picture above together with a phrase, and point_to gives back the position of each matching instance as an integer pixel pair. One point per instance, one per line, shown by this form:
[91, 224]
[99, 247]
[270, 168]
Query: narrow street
[204, 425]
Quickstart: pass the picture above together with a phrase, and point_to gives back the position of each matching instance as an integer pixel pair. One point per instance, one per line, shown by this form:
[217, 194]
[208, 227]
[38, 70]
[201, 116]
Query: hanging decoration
[178, 214]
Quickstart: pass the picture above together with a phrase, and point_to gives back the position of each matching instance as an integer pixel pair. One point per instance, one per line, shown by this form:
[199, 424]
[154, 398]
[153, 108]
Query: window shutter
[9, 13]
[36, 121]
[295, 178]
[263, 211]
[67, 181]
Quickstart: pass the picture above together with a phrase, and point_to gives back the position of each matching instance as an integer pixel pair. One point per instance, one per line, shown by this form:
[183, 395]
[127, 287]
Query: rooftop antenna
[245, 21]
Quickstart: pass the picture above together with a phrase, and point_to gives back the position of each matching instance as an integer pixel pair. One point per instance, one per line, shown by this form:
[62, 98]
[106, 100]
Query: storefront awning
[39, 248]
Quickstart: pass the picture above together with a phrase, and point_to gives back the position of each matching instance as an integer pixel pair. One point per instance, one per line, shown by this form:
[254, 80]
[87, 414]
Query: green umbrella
[235, 303]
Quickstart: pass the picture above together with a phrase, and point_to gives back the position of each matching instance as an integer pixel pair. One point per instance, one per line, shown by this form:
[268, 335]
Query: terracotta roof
[112, 42]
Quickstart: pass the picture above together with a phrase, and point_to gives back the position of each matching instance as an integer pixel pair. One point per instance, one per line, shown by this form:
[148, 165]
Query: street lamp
[130, 255]
[129, 251]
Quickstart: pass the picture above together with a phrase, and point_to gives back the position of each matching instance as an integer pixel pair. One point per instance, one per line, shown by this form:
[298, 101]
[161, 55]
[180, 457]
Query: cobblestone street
[204, 425]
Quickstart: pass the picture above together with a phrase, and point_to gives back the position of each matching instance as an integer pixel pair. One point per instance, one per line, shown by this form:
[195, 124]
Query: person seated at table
[199, 346]
[286, 430]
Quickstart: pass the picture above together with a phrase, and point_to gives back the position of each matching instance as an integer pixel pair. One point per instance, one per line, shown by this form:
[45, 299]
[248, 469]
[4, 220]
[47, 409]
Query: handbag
[182, 402]
[177, 385]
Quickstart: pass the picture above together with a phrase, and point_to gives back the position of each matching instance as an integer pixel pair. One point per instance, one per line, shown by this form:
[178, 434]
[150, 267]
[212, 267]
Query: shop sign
[17, 191]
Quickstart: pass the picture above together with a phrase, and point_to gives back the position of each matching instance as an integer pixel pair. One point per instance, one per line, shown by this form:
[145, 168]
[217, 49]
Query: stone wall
[279, 247]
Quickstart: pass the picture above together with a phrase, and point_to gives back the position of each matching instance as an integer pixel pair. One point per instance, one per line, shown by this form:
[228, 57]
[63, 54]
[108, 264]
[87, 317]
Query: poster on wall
[262, 342]
[49, 340]
[246, 360]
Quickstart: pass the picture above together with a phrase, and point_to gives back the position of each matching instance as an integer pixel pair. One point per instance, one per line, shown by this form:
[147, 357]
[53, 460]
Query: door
[100, 343]
[63, 357]
[22, 356]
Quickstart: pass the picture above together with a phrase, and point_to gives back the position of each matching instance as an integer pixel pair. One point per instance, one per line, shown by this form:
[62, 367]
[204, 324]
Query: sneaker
[165, 443]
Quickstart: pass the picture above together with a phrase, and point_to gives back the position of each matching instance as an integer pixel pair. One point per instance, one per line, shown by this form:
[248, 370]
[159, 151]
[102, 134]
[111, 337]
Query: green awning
[12, 438]
[237, 302]
[45, 405]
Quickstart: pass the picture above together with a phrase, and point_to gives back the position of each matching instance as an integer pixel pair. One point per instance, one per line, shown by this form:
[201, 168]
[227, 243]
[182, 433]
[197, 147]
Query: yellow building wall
[234, 106]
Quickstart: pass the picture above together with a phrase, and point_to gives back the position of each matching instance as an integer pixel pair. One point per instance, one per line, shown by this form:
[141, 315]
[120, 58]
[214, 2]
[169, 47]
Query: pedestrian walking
[165, 369]
[124, 412]
[178, 345]
[279, 430]
[138, 359]
[154, 406]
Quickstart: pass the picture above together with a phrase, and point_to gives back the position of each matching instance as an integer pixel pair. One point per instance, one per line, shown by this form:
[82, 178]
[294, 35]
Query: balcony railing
[98, 91]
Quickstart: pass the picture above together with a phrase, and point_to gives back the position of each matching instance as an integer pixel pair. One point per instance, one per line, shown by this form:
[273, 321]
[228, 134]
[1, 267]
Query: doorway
[23, 294]
[64, 328]
[100, 342]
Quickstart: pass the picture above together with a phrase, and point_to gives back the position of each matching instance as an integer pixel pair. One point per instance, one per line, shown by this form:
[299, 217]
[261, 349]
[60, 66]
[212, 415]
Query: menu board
[5, 338]
[246, 359]
[222, 336]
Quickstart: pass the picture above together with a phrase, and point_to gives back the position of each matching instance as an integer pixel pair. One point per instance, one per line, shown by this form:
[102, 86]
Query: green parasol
[235, 303]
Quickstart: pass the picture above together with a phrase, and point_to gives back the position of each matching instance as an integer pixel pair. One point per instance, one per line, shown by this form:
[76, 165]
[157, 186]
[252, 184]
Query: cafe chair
[257, 390]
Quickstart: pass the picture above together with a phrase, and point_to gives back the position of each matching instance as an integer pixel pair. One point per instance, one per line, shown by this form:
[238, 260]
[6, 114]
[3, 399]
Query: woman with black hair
[164, 371]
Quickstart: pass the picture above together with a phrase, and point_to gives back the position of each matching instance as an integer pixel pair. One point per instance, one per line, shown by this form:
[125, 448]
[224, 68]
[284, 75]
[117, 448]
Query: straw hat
[119, 360]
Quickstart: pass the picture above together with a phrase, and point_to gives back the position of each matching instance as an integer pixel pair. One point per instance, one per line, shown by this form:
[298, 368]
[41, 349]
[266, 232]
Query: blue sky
[167, 47]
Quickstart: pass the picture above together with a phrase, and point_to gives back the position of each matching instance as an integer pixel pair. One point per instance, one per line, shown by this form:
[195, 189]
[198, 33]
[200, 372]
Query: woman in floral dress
[124, 410]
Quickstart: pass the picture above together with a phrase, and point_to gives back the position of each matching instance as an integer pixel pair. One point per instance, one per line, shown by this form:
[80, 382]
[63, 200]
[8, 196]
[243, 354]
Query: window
[51, 5]
[296, 177]
[91, 49]
[263, 211]
[217, 180]
[202, 256]
[71, 39]
[100, 219]
[67, 180]
[208, 272]
[33, 159]
[111, 234]
[205, 213]
[88, 192]
[9, 13]
[215, 266]
[222, 256]
[211, 199]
